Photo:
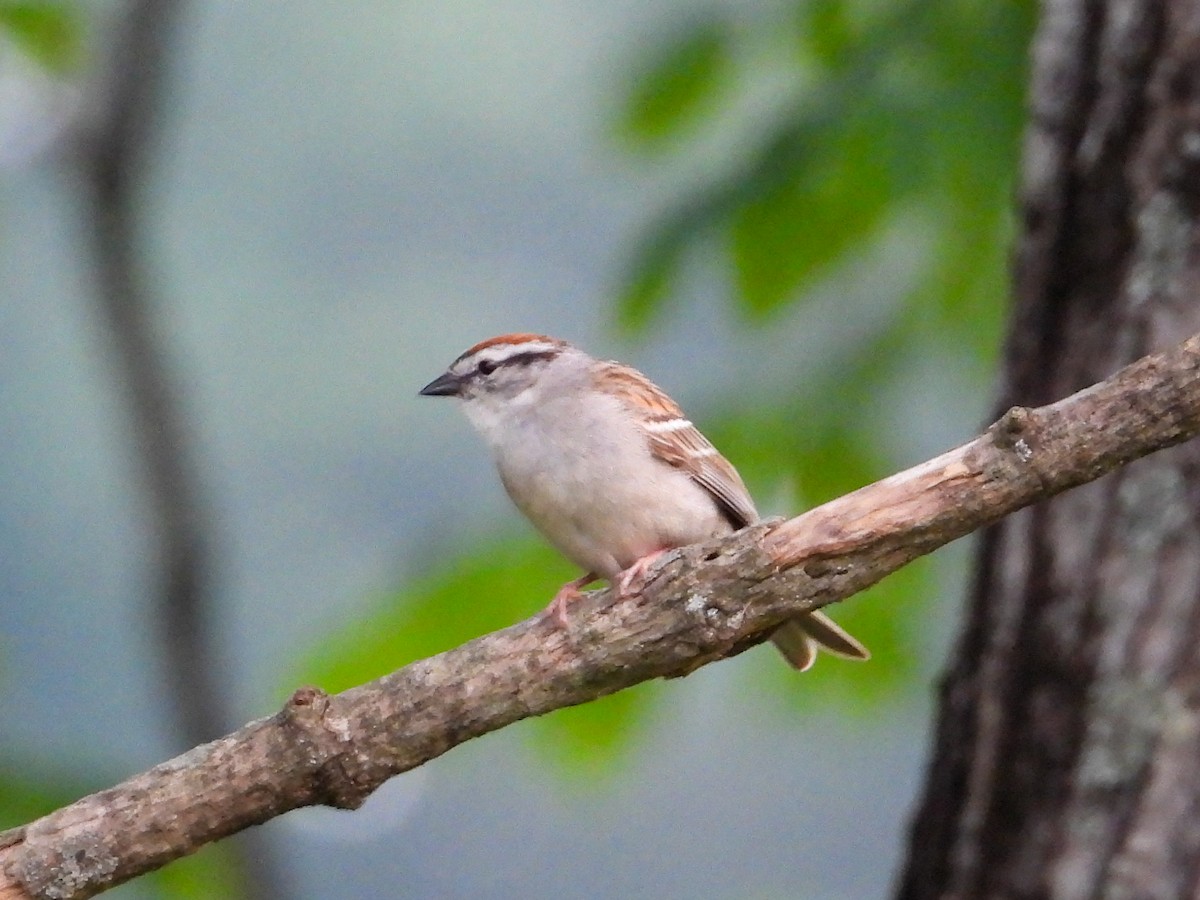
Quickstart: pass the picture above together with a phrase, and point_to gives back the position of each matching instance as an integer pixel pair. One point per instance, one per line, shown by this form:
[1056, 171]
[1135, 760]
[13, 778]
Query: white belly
[610, 506]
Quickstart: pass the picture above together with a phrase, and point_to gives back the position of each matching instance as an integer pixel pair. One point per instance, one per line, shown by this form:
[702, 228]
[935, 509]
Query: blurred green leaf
[589, 739]
[203, 875]
[822, 436]
[51, 33]
[493, 587]
[652, 272]
[504, 582]
[888, 619]
[837, 461]
[975, 123]
[841, 36]
[825, 198]
[918, 102]
[801, 445]
[28, 791]
[660, 253]
[913, 114]
[963, 294]
[826, 32]
[685, 80]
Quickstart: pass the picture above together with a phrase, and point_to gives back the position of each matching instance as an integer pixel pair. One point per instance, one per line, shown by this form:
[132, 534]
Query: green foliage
[28, 791]
[657, 259]
[488, 589]
[685, 81]
[205, 874]
[822, 435]
[902, 112]
[826, 31]
[888, 619]
[906, 111]
[822, 439]
[49, 32]
[801, 219]
[898, 107]
[588, 739]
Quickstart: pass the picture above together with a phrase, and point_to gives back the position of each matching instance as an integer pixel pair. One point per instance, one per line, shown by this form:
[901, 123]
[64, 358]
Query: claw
[567, 594]
[632, 580]
[629, 582]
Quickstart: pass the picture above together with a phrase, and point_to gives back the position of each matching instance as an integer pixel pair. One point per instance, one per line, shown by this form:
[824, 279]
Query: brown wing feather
[685, 447]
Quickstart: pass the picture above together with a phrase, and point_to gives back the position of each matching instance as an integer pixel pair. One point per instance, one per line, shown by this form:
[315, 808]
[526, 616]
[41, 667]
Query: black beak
[445, 385]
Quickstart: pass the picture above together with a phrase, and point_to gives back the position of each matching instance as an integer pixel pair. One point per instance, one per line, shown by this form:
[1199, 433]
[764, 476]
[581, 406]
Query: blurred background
[792, 214]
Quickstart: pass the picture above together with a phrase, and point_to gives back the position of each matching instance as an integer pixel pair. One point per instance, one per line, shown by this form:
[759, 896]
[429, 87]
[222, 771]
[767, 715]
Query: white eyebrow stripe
[667, 425]
[502, 352]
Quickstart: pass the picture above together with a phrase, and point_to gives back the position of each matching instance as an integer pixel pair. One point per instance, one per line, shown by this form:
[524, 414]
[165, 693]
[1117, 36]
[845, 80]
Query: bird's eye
[486, 367]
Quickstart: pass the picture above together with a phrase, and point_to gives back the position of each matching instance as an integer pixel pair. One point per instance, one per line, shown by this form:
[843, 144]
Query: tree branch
[704, 603]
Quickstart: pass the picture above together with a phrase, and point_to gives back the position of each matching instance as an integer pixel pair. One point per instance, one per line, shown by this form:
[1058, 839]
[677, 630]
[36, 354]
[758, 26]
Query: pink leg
[566, 595]
[633, 579]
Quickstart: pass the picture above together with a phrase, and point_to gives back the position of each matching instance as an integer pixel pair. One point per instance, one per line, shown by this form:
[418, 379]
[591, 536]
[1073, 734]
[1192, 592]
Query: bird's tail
[799, 639]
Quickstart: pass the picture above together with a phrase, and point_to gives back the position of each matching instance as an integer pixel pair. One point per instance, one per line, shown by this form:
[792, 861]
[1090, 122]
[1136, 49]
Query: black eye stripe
[531, 356]
[488, 366]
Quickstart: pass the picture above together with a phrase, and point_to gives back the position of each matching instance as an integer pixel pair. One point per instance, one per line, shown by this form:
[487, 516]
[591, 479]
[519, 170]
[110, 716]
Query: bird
[608, 469]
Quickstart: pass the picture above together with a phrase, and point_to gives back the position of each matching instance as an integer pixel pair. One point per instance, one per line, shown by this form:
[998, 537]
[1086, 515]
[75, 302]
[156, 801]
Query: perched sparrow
[608, 469]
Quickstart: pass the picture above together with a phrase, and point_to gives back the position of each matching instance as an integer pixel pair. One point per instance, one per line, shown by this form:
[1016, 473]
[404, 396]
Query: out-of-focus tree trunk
[112, 154]
[1067, 756]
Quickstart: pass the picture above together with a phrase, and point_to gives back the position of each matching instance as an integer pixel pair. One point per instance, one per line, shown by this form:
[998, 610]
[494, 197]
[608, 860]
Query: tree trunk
[1067, 756]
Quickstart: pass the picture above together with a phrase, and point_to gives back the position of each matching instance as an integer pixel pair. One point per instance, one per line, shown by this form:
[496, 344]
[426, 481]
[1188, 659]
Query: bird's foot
[567, 594]
[632, 580]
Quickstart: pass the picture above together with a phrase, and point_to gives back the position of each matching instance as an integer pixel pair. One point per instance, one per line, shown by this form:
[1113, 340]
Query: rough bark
[701, 603]
[1067, 754]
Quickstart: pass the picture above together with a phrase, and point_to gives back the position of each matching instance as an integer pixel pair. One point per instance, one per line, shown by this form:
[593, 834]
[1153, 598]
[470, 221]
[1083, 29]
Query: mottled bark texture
[1066, 761]
[700, 604]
